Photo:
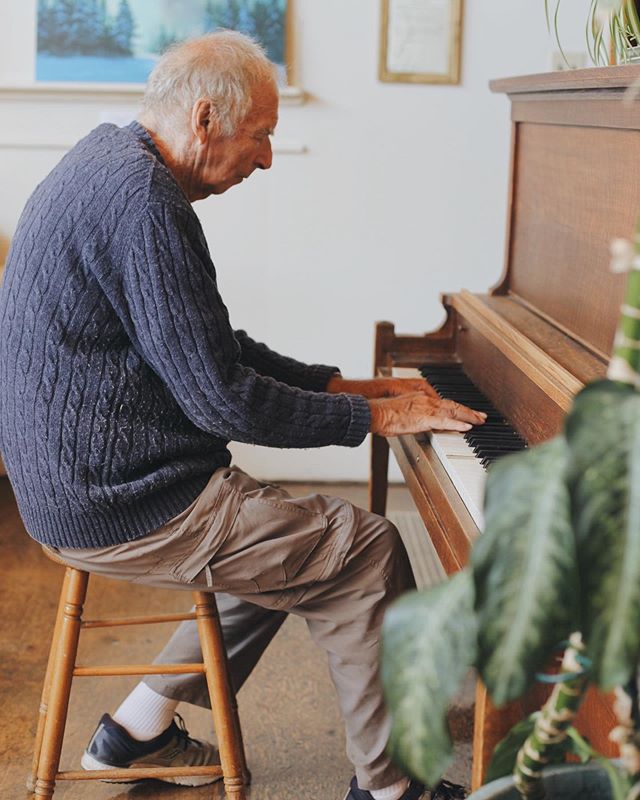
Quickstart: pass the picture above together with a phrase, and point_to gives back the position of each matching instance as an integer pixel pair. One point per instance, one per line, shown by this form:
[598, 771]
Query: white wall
[400, 195]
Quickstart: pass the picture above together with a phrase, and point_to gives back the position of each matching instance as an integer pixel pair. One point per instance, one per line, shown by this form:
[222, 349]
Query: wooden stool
[62, 668]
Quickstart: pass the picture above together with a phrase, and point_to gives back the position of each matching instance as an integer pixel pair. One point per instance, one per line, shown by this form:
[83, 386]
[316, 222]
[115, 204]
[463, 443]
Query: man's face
[224, 161]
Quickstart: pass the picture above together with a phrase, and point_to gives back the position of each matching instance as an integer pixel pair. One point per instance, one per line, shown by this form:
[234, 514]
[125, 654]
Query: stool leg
[44, 700]
[225, 721]
[246, 774]
[60, 688]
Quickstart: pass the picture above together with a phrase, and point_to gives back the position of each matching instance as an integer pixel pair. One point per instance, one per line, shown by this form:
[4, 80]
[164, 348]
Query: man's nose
[265, 155]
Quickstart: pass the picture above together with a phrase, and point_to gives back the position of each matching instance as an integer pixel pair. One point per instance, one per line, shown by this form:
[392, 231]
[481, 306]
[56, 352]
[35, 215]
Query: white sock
[393, 792]
[145, 714]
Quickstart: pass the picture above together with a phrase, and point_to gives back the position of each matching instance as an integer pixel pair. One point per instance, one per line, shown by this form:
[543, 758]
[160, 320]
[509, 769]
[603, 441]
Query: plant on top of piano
[558, 565]
[613, 30]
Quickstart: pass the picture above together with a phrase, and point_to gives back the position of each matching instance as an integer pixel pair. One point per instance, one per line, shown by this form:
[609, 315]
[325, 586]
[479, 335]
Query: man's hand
[417, 413]
[381, 387]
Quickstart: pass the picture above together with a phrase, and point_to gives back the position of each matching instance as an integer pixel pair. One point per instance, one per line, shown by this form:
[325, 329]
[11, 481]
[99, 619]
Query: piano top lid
[620, 77]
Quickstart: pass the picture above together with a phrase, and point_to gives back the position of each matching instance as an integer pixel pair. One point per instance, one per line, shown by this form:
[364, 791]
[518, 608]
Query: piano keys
[466, 456]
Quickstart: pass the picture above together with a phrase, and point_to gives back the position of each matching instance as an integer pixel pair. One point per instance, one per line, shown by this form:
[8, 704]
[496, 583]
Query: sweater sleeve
[167, 299]
[265, 361]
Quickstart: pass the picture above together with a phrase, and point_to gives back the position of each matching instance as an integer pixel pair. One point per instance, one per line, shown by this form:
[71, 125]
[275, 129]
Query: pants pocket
[255, 538]
[271, 545]
[194, 544]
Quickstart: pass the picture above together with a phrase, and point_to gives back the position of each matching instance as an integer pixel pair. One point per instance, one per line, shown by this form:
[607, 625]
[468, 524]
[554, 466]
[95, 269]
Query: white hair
[223, 67]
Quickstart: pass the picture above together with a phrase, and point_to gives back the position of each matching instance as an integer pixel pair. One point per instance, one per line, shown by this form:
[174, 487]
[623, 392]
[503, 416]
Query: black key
[490, 441]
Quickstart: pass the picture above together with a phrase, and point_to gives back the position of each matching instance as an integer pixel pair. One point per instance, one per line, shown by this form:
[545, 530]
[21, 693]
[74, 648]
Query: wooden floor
[293, 732]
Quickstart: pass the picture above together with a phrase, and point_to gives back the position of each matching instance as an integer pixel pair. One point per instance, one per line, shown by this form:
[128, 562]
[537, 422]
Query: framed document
[420, 41]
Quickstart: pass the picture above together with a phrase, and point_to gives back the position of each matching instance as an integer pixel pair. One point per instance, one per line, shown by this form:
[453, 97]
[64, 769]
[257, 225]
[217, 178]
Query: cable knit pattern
[121, 378]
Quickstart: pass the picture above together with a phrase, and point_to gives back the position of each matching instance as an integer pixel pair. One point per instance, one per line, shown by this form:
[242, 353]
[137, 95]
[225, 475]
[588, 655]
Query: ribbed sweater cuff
[319, 376]
[360, 420]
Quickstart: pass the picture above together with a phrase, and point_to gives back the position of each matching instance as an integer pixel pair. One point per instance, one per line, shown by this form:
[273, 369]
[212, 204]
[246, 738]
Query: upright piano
[544, 331]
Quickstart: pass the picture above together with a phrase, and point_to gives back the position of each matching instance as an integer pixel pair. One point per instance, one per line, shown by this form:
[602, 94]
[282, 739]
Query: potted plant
[613, 30]
[558, 564]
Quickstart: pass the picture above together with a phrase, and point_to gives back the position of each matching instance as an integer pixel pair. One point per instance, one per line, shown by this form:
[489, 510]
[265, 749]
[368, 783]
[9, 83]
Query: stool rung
[136, 773]
[137, 669]
[108, 623]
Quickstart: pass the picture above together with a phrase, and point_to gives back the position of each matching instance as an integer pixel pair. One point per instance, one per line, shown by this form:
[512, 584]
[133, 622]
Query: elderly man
[123, 382]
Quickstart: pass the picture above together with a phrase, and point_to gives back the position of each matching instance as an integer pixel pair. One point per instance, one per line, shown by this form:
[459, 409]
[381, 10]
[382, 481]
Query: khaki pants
[269, 554]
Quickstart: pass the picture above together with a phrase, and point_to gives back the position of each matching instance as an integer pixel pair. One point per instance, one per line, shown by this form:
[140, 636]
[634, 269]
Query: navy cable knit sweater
[121, 379]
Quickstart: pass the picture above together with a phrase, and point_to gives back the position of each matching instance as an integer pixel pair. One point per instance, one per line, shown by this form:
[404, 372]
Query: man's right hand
[418, 413]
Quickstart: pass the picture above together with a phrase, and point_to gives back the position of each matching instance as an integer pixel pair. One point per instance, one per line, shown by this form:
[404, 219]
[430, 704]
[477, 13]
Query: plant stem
[551, 727]
[627, 734]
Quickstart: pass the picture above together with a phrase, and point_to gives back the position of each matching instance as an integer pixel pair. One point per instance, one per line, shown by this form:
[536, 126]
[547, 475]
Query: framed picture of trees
[118, 41]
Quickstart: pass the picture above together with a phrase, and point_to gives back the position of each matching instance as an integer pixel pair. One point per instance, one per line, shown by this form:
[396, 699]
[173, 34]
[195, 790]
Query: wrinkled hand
[418, 413]
[381, 387]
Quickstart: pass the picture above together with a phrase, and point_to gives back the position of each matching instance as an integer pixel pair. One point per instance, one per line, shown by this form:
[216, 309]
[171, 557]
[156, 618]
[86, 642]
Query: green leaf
[578, 746]
[524, 568]
[504, 755]
[603, 432]
[619, 781]
[428, 645]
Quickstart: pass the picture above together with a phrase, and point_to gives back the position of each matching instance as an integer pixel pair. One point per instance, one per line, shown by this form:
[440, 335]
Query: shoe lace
[184, 740]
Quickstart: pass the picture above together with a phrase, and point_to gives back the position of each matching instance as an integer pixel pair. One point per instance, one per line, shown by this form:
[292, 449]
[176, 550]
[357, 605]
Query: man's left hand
[380, 387]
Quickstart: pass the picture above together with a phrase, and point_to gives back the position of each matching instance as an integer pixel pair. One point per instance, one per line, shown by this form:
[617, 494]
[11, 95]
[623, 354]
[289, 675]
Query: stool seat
[62, 669]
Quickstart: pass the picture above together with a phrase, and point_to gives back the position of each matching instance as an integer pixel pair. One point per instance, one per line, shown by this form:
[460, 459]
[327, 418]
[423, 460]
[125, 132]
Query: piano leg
[490, 726]
[378, 479]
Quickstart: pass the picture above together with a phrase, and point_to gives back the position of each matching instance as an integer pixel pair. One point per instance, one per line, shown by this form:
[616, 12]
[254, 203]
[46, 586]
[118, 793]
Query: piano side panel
[561, 229]
[449, 524]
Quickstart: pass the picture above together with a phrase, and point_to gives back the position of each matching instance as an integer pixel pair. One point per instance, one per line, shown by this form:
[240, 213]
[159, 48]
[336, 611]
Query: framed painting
[117, 42]
[421, 41]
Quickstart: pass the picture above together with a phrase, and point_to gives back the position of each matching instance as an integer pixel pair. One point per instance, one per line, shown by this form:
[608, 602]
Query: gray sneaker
[111, 747]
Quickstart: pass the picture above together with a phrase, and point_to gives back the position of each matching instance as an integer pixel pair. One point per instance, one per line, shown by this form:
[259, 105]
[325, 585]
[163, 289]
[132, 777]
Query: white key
[460, 462]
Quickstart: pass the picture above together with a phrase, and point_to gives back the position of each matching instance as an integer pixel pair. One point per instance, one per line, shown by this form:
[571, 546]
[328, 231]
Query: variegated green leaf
[428, 645]
[603, 432]
[524, 568]
[504, 755]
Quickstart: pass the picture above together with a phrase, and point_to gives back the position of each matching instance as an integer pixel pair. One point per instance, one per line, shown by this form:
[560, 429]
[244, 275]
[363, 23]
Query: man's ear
[203, 118]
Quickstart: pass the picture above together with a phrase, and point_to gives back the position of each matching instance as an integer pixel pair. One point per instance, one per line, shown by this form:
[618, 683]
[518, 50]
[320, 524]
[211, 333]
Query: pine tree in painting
[267, 26]
[83, 27]
[45, 26]
[93, 27]
[123, 29]
[164, 40]
[60, 12]
[104, 23]
[229, 14]
[210, 16]
[78, 34]
[262, 19]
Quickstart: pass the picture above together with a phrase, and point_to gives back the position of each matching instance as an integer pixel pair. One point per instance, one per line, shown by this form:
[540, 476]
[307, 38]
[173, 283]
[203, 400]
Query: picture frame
[421, 41]
[20, 71]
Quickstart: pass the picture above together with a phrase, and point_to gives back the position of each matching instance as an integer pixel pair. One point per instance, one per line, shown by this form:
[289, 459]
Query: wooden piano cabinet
[546, 328]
